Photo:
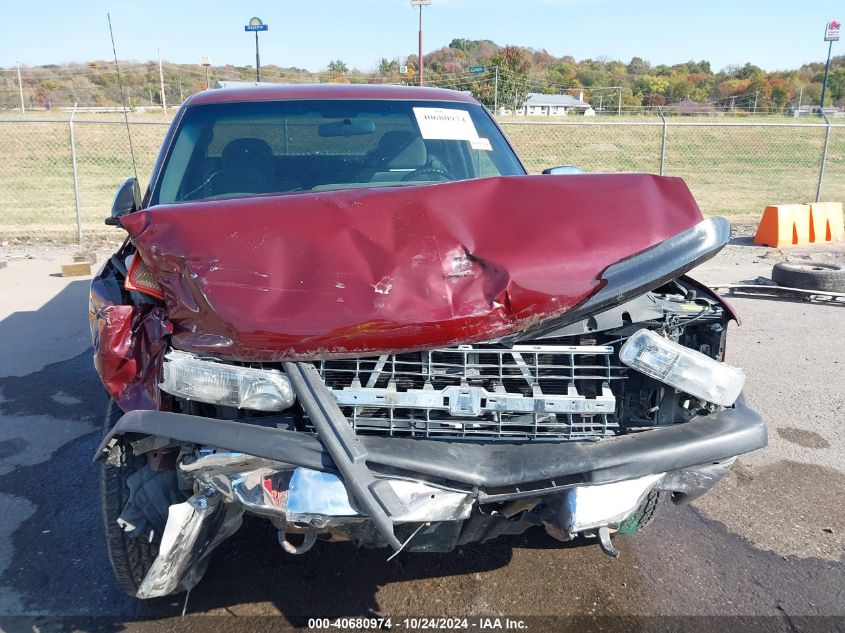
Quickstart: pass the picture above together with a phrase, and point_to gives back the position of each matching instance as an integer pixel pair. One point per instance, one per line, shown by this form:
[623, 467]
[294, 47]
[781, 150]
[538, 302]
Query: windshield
[253, 148]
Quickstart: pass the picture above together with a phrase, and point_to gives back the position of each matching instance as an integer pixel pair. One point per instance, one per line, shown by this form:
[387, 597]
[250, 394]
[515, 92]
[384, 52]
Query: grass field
[734, 168]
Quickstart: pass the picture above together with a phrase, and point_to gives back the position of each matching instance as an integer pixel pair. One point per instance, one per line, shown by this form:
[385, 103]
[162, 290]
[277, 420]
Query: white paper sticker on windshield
[445, 124]
[481, 143]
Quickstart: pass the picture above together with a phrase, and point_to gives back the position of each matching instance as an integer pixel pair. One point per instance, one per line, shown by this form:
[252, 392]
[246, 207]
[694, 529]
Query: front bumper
[337, 478]
[498, 470]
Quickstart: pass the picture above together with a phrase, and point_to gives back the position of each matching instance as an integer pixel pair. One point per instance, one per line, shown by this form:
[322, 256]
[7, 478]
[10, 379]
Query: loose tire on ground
[810, 275]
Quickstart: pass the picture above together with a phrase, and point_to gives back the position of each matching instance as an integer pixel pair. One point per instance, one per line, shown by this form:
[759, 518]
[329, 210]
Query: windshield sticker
[481, 143]
[445, 124]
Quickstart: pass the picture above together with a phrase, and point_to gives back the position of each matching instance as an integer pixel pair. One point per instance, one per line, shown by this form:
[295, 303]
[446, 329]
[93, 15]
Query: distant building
[688, 107]
[538, 104]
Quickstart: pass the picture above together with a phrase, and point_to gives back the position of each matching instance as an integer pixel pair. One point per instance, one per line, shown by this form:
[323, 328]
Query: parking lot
[768, 541]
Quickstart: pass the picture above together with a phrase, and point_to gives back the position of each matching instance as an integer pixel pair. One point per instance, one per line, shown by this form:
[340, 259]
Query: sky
[773, 34]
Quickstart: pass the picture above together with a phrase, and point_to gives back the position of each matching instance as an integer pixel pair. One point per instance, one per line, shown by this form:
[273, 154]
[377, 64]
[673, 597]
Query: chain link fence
[58, 177]
[734, 168]
[51, 168]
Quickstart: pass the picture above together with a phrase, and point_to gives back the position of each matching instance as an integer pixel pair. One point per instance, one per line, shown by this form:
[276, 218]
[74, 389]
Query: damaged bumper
[370, 489]
[496, 469]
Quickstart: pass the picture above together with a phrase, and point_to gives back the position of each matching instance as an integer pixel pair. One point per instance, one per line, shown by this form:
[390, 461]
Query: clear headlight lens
[189, 377]
[685, 369]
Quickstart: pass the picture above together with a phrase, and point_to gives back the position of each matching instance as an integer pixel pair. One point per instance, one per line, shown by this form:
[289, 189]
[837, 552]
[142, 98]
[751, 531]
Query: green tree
[387, 67]
[338, 66]
[462, 44]
[638, 66]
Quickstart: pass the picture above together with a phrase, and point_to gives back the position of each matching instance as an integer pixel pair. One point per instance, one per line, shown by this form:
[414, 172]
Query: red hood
[377, 270]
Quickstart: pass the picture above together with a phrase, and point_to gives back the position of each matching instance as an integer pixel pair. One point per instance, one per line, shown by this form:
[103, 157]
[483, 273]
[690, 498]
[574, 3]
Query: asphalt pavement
[767, 545]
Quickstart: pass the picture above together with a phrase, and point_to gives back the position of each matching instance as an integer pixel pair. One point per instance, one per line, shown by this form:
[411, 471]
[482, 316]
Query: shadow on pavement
[33, 332]
[58, 563]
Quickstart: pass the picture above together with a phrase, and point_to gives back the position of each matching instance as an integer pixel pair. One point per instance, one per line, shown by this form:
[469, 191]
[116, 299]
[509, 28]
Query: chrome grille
[475, 392]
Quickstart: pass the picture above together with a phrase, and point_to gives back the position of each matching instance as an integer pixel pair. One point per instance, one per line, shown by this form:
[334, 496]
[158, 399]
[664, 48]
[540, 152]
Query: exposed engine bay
[567, 385]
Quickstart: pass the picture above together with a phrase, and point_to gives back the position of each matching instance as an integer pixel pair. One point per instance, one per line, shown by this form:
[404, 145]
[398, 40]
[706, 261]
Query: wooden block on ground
[90, 258]
[78, 269]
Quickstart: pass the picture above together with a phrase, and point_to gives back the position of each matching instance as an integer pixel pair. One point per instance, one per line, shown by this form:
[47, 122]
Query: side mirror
[126, 200]
[563, 170]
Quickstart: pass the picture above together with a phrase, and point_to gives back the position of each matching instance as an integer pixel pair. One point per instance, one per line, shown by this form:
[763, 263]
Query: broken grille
[476, 392]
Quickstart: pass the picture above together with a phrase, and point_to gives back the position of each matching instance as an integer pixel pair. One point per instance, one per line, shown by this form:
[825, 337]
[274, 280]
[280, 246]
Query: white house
[538, 104]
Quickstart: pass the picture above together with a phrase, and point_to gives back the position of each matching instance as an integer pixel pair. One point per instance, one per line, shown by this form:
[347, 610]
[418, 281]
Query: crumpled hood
[377, 270]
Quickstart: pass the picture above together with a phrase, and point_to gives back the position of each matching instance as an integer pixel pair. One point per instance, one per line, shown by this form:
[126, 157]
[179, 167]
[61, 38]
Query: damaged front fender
[129, 345]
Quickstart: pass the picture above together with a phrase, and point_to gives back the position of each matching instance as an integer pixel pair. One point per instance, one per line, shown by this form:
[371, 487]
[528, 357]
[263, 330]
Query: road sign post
[831, 35]
[256, 25]
[206, 61]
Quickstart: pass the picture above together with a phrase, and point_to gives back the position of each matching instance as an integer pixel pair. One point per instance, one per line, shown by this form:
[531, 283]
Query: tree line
[500, 75]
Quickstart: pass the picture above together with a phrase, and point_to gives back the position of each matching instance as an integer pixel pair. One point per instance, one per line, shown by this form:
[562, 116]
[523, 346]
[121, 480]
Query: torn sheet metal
[348, 272]
[129, 346]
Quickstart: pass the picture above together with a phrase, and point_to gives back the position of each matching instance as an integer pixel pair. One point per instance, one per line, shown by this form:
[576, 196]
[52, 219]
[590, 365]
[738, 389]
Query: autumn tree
[513, 65]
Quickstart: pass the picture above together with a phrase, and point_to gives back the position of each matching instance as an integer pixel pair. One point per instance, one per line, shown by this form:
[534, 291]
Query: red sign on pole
[831, 31]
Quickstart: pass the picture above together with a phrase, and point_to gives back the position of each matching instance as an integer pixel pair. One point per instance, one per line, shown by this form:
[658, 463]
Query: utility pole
[161, 85]
[20, 88]
[496, 93]
[733, 99]
[756, 94]
[800, 96]
[619, 105]
[420, 56]
[420, 4]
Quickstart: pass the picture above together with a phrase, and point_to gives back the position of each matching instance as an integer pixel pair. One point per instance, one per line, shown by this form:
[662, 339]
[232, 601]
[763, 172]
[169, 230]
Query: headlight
[217, 383]
[685, 369]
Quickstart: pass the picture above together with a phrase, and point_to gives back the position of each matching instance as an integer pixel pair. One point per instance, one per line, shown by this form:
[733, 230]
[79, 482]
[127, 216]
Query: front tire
[643, 516]
[131, 552]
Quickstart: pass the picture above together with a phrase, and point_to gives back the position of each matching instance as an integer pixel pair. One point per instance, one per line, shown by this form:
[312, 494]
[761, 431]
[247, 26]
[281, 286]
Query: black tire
[643, 516]
[810, 275]
[131, 556]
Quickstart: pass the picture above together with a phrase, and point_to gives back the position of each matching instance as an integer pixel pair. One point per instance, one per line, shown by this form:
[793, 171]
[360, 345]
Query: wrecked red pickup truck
[347, 309]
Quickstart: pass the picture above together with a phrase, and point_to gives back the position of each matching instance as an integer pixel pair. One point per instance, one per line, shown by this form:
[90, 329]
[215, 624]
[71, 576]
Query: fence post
[75, 177]
[824, 156]
[663, 141]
